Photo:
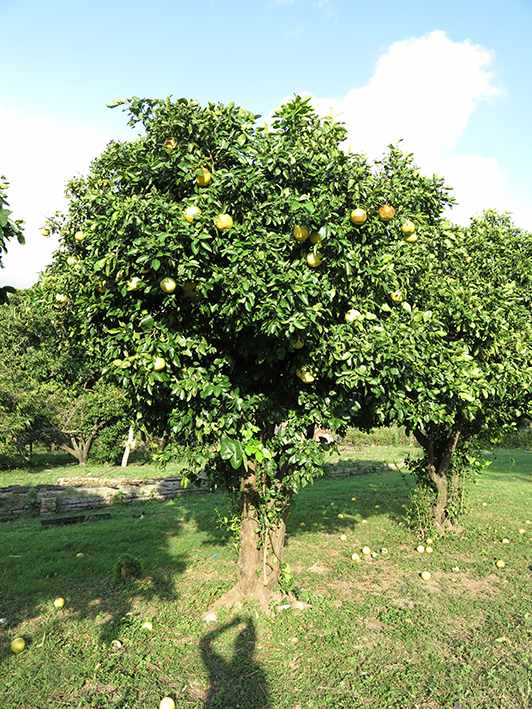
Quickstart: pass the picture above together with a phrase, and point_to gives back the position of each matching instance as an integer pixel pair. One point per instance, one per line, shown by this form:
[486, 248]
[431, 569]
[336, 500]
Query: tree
[9, 229]
[463, 370]
[218, 271]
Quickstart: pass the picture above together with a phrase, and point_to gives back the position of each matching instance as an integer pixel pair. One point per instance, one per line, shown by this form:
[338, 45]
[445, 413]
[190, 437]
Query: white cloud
[425, 91]
[39, 154]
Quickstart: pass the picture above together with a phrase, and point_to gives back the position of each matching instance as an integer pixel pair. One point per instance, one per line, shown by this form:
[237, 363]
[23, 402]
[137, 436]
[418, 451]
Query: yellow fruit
[355, 557]
[170, 144]
[500, 564]
[168, 285]
[505, 541]
[359, 216]
[522, 531]
[45, 232]
[79, 236]
[411, 239]
[59, 602]
[315, 238]
[429, 550]
[17, 645]
[366, 550]
[352, 315]
[343, 537]
[305, 376]
[134, 283]
[384, 551]
[425, 575]
[147, 625]
[396, 296]
[297, 343]
[204, 177]
[159, 364]
[430, 541]
[223, 222]
[386, 212]
[420, 548]
[61, 298]
[191, 213]
[301, 233]
[72, 260]
[408, 227]
[167, 703]
[313, 260]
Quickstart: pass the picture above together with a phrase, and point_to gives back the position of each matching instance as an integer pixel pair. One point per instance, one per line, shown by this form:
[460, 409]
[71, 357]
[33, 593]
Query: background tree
[461, 372]
[215, 268]
[9, 229]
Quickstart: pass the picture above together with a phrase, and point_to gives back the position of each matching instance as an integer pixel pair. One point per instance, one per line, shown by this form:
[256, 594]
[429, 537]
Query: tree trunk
[129, 447]
[259, 560]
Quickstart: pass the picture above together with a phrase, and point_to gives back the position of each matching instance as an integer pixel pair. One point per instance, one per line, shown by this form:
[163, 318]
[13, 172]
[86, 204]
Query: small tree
[463, 368]
[216, 269]
[9, 229]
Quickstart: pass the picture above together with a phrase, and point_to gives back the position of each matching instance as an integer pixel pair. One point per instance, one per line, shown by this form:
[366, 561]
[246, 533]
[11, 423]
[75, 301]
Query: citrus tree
[218, 269]
[463, 373]
[9, 229]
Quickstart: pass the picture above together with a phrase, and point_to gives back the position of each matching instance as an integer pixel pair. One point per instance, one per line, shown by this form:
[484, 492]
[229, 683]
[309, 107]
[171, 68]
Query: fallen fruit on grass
[522, 530]
[366, 550]
[355, 557]
[364, 521]
[428, 550]
[167, 703]
[116, 644]
[210, 617]
[384, 550]
[425, 575]
[455, 568]
[374, 555]
[17, 645]
[343, 537]
[59, 602]
[420, 548]
[505, 540]
[147, 625]
[430, 541]
[484, 504]
[80, 554]
[500, 564]
[340, 515]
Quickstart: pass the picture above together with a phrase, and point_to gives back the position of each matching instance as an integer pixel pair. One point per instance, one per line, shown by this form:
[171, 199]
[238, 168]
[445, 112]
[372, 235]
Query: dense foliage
[9, 229]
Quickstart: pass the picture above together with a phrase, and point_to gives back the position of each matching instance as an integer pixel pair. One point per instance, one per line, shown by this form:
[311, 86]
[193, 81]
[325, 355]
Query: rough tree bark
[80, 447]
[438, 462]
[259, 560]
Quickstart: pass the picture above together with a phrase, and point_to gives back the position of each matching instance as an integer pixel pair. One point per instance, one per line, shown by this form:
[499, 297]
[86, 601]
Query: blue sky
[61, 62]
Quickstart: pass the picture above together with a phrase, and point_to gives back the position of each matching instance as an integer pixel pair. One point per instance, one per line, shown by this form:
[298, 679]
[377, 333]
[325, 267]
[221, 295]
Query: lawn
[376, 635]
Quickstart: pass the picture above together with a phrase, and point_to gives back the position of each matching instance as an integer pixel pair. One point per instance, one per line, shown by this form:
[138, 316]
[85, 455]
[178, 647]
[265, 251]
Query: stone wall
[73, 494]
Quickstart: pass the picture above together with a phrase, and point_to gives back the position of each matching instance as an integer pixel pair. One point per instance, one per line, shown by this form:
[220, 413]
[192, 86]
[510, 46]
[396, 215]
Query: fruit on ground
[79, 236]
[167, 703]
[500, 564]
[408, 227]
[159, 364]
[204, 177]
[425, 575]
[429, 550]
[59, 602]
[352, 315]
[223, 222]
[420, 548]
[359, 216]
[191, 213]
[396, 296]
[384, 551]
[17, 645]
[147, 625]
[386, 212]
[366, 550]
[343, 537]
[305, 376]
[505, 541]
[301, 233]
[313, 260]
[168, 285]
[522, 531]
[315, 238]
[355, 557]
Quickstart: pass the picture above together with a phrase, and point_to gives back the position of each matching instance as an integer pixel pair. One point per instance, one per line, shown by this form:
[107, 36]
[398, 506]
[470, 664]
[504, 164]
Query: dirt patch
[486, 587]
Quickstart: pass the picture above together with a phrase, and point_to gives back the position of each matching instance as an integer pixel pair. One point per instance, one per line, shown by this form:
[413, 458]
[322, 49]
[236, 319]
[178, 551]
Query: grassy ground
[375, 636]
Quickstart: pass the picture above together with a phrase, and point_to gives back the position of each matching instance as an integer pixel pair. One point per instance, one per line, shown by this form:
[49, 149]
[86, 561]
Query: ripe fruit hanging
[168, 285]
[313, 260]
[359, 216]
[170, 144]
[45, 232]
[301, 233]
[204, 177]
[79, 236]
[315, 238]
[396, 296]
[408, 227]
[386, 212]
[191, 213]
[305, 376]
[223, 222]
[159, 364]
[352, 315]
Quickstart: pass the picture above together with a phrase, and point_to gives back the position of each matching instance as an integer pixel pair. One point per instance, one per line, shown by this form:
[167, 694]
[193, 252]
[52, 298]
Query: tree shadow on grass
[239, 681]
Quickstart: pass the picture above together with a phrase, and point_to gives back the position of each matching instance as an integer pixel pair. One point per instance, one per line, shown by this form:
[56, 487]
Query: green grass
[376, 635]
[47, 468]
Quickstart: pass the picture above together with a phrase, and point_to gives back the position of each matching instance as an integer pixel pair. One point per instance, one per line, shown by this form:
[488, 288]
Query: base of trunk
[236, 597]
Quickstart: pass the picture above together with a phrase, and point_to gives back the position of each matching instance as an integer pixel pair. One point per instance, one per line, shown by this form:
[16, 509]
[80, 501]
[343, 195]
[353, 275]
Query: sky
[450, 79]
